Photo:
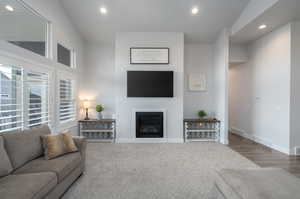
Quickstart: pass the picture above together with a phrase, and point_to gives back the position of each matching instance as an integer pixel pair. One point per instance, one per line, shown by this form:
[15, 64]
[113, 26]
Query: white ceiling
[283, 12]
[153, 16]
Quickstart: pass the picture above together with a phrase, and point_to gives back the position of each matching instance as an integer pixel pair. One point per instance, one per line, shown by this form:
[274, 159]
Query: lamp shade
[86, 104]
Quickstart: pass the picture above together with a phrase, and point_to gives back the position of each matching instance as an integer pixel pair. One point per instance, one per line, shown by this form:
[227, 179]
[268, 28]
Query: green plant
[202, 114]
[99, 108]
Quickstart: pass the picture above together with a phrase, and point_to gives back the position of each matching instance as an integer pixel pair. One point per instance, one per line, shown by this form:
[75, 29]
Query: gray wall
[295, 87]
[98, 82]
[198, 58]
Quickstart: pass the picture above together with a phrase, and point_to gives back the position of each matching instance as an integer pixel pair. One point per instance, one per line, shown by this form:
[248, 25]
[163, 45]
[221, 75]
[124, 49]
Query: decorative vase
[100, 116]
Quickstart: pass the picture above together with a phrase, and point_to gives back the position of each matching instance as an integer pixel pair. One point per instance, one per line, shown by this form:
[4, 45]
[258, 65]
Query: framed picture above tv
[149, 55]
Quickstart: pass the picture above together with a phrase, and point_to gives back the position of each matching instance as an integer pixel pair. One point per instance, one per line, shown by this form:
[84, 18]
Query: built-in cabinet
[98, 130]
[201, 130]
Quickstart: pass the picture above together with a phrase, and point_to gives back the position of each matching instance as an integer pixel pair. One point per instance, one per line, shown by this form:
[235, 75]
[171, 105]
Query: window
[23, 27]
[24, 98]
[67, 106]
[11, 107]
[38, 105]
[65, 56]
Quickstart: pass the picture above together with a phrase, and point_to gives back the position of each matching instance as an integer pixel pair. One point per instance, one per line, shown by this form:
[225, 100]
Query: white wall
[98, 82]
[63, 32]
[260, 91]
[173, 106]
[221, 67]
[100, 70]
[198, 58]
[295, 89]
[238, 54]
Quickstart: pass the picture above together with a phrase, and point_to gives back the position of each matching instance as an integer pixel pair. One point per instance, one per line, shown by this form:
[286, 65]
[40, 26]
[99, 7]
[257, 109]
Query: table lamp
[86, 106]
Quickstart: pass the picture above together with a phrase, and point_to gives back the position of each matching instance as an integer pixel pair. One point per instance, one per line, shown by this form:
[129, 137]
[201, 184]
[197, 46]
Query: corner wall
[98, 83]
[221, 67]
[260, 91]
[295, 88]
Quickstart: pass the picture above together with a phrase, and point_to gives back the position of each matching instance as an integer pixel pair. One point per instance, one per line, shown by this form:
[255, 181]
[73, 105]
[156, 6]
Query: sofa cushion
[27, 186]
[23, 146]
[5, 165]
[54, 146]
[267, 183]
[62, 165]
[70, 146]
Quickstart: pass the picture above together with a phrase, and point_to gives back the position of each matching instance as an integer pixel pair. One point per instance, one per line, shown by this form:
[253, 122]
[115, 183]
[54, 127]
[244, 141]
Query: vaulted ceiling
[153, 16]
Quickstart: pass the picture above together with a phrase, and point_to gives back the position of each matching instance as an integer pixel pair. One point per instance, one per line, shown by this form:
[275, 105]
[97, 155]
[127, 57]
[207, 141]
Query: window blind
[38, 102]
[67, 106]
[24, 98]
[11, 98]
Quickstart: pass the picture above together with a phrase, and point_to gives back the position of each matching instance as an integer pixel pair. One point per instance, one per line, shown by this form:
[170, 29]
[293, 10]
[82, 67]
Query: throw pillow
[69, 143]
[5, 164]
[54, 146]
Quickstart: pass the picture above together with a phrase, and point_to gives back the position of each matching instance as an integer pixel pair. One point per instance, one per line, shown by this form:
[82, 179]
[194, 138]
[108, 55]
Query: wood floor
[264, 156]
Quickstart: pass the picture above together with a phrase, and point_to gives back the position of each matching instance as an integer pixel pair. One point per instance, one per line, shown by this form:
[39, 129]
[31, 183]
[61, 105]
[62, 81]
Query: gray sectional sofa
[25, 174]
[258, 183]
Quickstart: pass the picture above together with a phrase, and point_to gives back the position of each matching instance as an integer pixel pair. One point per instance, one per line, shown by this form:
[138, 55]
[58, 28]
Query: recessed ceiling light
[195, 10]
[9, 8]
[263, 26]
[103, 10]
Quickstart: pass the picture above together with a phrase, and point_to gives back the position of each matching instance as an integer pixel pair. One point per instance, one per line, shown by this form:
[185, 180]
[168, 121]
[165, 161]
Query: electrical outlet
[297, 150]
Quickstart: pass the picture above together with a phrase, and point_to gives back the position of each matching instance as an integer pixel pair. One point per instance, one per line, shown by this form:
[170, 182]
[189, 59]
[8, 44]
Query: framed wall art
[149, 55]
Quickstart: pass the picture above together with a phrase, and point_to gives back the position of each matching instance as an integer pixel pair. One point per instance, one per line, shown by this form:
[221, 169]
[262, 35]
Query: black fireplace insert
[149, 125]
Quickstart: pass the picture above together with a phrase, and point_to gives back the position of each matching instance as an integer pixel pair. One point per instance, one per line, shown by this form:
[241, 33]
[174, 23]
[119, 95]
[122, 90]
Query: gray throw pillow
[5, 165]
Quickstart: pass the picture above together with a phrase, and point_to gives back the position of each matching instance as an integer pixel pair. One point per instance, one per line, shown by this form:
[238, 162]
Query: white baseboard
[175, 140]
[259, 140]
[149, 140]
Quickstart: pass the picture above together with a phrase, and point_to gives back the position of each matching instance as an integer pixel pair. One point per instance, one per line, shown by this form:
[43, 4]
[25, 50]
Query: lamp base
[86, 114]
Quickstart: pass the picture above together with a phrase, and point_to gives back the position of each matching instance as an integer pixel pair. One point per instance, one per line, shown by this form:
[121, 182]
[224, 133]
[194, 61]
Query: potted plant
[202, 114]
[99, 109]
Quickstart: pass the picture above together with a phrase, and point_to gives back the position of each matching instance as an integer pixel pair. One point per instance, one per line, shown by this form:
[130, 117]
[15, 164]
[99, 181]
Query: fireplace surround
[149, 124]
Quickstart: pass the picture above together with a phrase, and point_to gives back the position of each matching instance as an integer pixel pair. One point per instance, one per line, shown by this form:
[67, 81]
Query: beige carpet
[153, 171]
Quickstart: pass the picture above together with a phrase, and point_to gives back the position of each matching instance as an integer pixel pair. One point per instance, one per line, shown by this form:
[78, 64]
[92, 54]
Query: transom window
[66, 56]
[24, 27]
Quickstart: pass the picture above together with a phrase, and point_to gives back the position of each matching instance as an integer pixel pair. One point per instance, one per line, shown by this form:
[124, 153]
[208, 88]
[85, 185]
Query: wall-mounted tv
[150, 83]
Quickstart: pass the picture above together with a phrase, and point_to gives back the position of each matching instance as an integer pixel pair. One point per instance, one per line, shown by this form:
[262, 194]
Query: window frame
[48, 31]
[27, 67]
[65, 75]
[73, 55]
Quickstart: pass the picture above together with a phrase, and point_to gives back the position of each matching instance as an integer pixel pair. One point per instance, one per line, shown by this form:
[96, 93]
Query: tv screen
[149, 83]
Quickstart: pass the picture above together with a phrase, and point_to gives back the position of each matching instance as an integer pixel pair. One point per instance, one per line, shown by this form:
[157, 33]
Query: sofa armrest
[81, 143]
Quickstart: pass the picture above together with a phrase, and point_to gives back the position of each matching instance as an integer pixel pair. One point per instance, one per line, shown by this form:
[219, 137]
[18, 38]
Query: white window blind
[38, 103]
[24, 98]
[67, 106]
[11, 98]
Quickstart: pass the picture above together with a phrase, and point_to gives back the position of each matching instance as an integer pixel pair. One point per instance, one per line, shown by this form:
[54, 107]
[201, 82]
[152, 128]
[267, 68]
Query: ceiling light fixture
[103, 10]
[9, 8]
[263, 26]
[195, 10]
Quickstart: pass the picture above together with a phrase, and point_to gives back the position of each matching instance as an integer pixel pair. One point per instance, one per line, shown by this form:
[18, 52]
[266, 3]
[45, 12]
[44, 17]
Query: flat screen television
[149, 83]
